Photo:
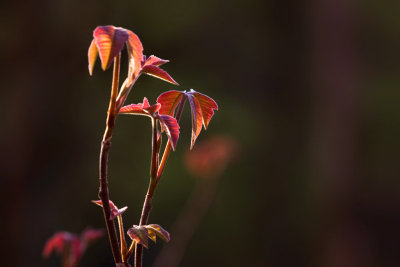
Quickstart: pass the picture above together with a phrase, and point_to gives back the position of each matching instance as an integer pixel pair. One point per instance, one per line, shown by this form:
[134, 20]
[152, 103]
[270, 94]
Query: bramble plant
[108, 43]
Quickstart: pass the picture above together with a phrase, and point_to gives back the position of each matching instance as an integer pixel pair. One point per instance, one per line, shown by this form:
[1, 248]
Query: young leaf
[169, 102]
[92, 55]
[114, 211]
[139, 234]
[141, 108]
[202, 108]
[171, 127]
[135, 51]
[164, 235]
[156, 61]
[196, 118]
[109, 41]
[155, 71]
[207, 106]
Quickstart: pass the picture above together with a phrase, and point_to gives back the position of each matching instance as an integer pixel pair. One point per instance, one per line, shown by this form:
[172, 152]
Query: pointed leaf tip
[155, 71]
[156, 61]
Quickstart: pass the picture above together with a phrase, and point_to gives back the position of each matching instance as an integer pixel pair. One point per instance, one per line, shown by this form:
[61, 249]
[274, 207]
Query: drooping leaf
[156, 61]
[141, 108]
[202, 108]
[135, 51]
[196, 118]
[109, 41]
[171, 127]
[139, 234]
[155, 71]
[207, 105]
[114, 211]
[161, 232]
[92, 56]
[169, 102]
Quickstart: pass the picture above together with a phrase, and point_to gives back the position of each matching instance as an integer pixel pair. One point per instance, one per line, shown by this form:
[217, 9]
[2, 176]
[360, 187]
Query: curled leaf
[171, 127]
[114, 211]
[139, 234]
[159, 231]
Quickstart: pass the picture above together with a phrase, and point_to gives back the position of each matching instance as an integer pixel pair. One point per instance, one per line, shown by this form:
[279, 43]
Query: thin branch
[103, 164]
[150, 192]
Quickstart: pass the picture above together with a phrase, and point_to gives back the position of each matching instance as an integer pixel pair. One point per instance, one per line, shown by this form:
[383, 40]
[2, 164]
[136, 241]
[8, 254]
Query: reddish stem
[103, 164]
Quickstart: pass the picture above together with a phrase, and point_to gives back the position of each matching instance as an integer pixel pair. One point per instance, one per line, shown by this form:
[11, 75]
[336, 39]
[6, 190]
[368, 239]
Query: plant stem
[103, 164]
[150, 192]
[155, 175]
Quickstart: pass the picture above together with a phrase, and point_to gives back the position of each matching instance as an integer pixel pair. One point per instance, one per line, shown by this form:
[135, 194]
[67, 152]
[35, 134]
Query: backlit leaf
[169, 102]
[135, 51]
[141, 108]
[161, 232]
[139, 234]
[196, 118]
[202, 108]
[171, 127]
[155, 71]
[156, 61]
[109, 41]
[207, 106]
[92, 56]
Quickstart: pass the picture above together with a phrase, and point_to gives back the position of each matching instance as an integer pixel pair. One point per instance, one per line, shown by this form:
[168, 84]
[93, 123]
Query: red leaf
[135, 50]
[141, 108]
[114, 211]
[169, 102]
[92, 55]
[139, 234]
[171, 127]
[207, 105]
[155, 71]
[156, 61]
[109, 41]
[202, 108]
[164, 235]
[196, 118]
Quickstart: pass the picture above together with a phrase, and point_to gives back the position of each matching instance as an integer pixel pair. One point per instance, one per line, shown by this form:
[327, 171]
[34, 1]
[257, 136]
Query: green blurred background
[308, 89]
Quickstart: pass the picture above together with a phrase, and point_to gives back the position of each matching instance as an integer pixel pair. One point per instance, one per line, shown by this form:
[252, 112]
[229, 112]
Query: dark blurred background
[308, 89]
